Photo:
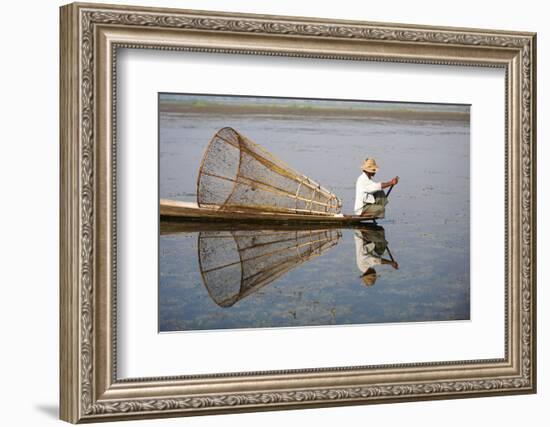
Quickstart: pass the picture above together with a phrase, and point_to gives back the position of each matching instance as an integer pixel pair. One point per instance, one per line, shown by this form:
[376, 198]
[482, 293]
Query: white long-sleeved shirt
[364, 253]
[364, 187]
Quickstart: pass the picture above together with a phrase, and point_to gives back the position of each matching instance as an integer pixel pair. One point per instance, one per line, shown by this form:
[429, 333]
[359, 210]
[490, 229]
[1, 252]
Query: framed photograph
[266, 212]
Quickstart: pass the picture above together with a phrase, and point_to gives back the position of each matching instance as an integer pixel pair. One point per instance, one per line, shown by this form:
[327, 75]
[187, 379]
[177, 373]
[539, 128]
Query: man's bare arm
[391, 182]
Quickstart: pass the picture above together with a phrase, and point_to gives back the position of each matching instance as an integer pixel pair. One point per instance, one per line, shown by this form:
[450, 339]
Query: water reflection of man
[370, 200]
[368, 254]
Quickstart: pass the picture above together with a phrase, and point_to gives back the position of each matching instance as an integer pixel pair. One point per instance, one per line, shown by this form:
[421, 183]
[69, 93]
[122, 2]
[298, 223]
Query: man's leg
[376, 209]
[372, 210]
[380, 198]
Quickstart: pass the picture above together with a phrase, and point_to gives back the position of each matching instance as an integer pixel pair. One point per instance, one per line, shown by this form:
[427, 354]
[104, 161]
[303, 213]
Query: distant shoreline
[286, 110]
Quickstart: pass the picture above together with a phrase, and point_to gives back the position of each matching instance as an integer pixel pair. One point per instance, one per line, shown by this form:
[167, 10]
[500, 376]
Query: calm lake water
[426, 227]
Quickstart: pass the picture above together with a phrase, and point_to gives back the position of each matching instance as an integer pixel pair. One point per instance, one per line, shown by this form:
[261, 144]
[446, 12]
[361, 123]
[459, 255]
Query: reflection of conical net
[237, 174]
[235, 264]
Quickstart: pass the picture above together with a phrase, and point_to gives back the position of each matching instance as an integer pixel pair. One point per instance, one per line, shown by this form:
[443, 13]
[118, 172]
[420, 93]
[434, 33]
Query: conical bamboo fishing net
[234, 264]
[237, 174]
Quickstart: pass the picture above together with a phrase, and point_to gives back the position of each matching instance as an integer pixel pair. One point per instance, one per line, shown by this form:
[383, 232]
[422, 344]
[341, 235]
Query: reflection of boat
[176, 227]
[236, 263]
[240, 181]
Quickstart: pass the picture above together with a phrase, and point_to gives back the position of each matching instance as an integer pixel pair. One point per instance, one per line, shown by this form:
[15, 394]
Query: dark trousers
[378, 208]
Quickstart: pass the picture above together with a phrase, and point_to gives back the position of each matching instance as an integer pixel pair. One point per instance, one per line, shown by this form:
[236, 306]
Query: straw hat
[369, 165]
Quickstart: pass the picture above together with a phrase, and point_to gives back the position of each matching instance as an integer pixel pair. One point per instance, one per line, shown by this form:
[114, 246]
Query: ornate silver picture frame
[91, 36]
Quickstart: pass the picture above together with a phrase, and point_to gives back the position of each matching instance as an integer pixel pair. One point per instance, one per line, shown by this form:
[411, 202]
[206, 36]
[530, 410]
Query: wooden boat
[174, 210]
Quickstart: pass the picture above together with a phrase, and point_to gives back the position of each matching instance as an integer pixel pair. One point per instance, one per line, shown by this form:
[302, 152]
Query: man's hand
[390, 183]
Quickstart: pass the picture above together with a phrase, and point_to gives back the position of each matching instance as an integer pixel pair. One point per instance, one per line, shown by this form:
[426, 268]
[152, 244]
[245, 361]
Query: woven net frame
[238, 174]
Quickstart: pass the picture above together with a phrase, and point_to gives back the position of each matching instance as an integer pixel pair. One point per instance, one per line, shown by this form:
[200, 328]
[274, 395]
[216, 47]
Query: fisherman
[368, 254]
[370, 200]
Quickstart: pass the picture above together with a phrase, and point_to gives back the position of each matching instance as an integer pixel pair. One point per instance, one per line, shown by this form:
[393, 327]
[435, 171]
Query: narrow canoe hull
[193, 226]
[173, 210]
